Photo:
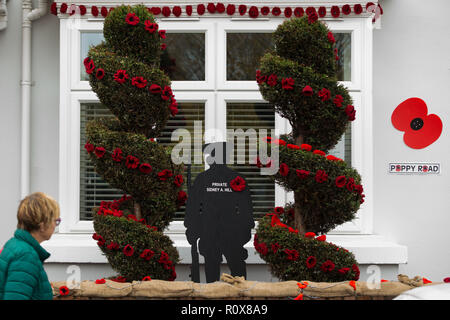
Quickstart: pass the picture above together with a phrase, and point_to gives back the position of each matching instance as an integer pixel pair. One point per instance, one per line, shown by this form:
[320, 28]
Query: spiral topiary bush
[125, 74]
[299, 79]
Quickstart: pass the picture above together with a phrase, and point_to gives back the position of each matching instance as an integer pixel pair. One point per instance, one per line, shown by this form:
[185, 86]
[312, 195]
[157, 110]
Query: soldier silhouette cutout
[220, 214]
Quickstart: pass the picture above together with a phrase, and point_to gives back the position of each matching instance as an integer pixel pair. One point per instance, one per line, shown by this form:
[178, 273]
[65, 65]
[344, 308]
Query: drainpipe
[3, 15]
[28, 16]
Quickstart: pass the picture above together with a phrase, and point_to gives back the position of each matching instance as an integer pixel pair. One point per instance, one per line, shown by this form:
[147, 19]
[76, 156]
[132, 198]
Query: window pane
[344, 46]
[88, 39]
[184, 57]
[343, 149]
[244, 50]
[93, 189]
[253, 116]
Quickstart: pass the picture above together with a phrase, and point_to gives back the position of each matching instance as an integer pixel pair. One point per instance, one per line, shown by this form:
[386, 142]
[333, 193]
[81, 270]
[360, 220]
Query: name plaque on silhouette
[219, 217]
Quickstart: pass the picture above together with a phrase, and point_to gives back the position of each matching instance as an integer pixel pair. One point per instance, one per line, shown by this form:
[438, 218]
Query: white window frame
[73, 92]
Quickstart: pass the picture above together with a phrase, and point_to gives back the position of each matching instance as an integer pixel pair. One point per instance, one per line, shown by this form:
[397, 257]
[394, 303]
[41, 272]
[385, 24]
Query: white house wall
[410, 59]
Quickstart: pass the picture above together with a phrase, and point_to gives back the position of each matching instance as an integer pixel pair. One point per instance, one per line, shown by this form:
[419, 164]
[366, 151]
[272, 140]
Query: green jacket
[22, 275]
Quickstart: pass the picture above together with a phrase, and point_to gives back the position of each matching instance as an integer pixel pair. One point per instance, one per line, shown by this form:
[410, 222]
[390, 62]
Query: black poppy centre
[416, 124]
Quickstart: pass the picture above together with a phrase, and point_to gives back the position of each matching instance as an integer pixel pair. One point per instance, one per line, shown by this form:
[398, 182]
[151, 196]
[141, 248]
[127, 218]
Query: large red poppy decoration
[421, 129]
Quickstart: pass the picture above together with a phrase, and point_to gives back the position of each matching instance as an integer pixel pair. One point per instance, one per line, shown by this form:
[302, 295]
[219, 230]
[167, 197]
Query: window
[212, 64]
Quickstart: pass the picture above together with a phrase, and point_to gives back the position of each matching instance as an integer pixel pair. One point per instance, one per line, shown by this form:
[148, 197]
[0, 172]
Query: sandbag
[162, 289]
[109, 289]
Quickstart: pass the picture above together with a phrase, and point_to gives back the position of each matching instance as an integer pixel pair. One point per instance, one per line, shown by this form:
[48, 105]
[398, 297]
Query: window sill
[368, 249]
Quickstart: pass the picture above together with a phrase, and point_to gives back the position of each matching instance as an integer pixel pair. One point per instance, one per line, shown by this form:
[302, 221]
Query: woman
[22, 275]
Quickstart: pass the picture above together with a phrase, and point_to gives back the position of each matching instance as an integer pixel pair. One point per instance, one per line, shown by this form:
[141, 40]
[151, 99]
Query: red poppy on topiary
[338, 100]
[344, 270]
[355, 269]
[287, 83]
[145, 168]
[327, 266]
[89, 147]
[128, 250]
[178, 180]
[275, 247]
[164, 174]
[313, 17]
[272, 80]
[132, 19]
[231, 9]
[299, 12]
[253, 12]
[117, 155]
[201, 9]
[293, 146]
[292, 254]
[307, 91]
[324, 94]
[351, 112]
[181, 198]
[147, 254]
[279, 210]
[150, 26]
[259, 78]
[276, 11]
[132, 162]
[284, 169]
[302, 174]
[99, 152]
[331, 37]
[310, 235]
[306, 147]
[139, 82]
[420, 128]
[237, 184]
[311, 262]
[121, 76]
[321, 176]
[350, 184]
[90, 66]
[100, 73]
[321, 238]
[154, 88]
[242, 9]
[341, 181]
[319, 152]
[162, 34]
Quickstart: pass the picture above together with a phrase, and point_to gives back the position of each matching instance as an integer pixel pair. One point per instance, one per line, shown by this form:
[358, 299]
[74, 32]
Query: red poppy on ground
[319, 152]
[287, 83]
[321, 238]
[145, 168]
[284, 169]
[242, 9]
[299, 12]
[341, 181]
[313, 17]
[420, 128]
[276, 11]
[237, 184]
[132, 162]
[321, 176]
[351, 112]
[178, 180]
[150, 26]
[132, 19]
[307, 91]
[146, 278]
[322, 12]
[292, 254]
[176, 11]
[211, 7]
[288, 12]
[166, 11]
[357, 9]
[293, 146]
[121, 76]
[162, 34]
[324, 94]
[344, 270]
[156, 10]
[253, 12]
[327, 266]
[100, 281]
[99, 152]
[265, 11]
[302, 174]
[128, 250]
[82, 10]
[335, 11]
[189, 10]
[104, 12]
[164, 175]
[139, 82]
[355, 269]
[89, 147]
[64, 291]
[311, 262]
[346, 9]
[201, 9]
[117, 155]
[94, 11]
[181, 199]
[147, 254]
[306, 147]
[352, 284]
[154, 88]
[231, 9]
[220, 7]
